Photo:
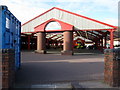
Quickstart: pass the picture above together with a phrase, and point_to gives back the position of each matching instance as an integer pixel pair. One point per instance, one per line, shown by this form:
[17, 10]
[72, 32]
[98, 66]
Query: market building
[62, 28]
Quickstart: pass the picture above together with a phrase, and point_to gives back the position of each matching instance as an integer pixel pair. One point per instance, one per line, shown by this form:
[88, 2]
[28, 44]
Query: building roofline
[39, 15]
[115, 27]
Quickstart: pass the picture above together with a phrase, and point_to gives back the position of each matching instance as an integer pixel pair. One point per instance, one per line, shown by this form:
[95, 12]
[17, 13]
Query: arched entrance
[55, 26]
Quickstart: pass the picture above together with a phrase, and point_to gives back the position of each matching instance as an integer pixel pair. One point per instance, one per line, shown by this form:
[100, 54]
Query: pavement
[51, 70]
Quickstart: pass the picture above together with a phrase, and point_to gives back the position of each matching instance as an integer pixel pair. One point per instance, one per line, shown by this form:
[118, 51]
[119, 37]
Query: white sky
[103, 10]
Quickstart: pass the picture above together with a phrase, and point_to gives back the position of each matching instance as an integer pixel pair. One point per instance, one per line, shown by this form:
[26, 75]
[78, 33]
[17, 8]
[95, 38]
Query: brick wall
[8, 68]
[112, 67]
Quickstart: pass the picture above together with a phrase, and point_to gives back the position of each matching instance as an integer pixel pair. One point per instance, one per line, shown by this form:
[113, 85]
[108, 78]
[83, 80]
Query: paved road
[47, 68]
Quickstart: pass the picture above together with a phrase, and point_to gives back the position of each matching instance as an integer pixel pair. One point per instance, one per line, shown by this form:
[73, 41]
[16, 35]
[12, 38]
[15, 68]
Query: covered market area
[65, 30]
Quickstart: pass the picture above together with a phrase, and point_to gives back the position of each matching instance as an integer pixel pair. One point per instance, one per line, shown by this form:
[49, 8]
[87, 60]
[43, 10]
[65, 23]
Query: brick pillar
[112, 67]
[68, 43]
[41, 43]
[111, 39]
[8, 68]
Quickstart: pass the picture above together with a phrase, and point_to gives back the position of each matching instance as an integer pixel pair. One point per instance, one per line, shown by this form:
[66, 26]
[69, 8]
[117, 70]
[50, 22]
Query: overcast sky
[102, 10]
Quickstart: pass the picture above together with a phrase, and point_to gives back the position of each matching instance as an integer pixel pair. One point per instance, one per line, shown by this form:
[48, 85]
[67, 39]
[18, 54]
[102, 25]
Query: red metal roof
[73, 14]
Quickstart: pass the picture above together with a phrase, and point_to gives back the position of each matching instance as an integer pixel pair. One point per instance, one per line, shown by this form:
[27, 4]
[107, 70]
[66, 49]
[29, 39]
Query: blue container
[10, 29]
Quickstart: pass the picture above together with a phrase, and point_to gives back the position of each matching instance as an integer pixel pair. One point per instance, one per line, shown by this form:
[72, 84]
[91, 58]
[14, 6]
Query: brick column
[112, 67]
[7, 68]
[41, 43]
[111, 39]
[68, 43]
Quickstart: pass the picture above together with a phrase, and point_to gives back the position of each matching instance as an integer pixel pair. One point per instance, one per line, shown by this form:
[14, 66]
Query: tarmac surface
[42, 69]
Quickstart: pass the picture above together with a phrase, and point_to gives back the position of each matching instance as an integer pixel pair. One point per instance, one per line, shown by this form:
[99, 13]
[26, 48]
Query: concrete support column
[67, 43]
[41, 43]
